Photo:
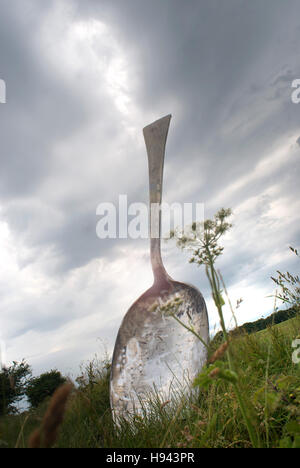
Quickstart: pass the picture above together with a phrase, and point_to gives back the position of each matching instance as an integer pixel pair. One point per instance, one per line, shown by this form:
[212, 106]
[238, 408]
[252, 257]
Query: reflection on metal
[153, 351]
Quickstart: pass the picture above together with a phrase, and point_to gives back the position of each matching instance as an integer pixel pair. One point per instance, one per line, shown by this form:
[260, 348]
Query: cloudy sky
[82, 80]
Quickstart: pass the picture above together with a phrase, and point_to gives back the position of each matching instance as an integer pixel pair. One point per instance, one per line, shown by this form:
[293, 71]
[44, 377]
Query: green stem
[216, 293]
[191, 330]
[251, 431]
[212, 276]
[228, 298]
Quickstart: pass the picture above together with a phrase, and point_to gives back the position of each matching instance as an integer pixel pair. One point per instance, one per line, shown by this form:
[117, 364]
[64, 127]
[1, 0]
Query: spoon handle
[155, 136]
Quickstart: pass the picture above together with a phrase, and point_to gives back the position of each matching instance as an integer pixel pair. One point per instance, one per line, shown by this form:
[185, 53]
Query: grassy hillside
[287, 327]
[276, 318]
[270, 383]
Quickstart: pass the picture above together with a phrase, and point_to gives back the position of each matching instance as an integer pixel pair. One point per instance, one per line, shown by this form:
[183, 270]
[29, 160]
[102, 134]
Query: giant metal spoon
[153, 351]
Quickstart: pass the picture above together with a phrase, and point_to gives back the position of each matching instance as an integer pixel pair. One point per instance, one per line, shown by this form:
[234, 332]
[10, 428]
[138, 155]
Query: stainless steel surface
[153, 352]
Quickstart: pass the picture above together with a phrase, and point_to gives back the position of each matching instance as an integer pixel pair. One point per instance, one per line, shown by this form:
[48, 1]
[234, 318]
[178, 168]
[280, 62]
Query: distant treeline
[261, 324]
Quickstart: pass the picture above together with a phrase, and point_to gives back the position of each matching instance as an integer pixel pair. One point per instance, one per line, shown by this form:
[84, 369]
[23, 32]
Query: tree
[43, 386]
[13, 384]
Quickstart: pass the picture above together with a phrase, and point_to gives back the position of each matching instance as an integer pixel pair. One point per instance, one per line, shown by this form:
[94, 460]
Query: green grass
[269, 381]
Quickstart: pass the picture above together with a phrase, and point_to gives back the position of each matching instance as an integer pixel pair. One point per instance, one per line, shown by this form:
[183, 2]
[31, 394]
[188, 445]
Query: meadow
[269, 381]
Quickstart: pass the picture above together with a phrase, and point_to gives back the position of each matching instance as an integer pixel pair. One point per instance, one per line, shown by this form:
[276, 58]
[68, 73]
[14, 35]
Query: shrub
[43, 386]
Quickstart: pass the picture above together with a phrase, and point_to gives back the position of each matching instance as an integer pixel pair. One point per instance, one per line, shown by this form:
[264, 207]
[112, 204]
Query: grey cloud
[39, 110]
[223, 69]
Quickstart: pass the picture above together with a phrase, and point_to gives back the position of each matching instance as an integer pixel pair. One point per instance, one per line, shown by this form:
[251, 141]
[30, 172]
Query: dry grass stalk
[46, 435]
[35, 439]
[214, 373]
[165, 403]
[219, 352]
